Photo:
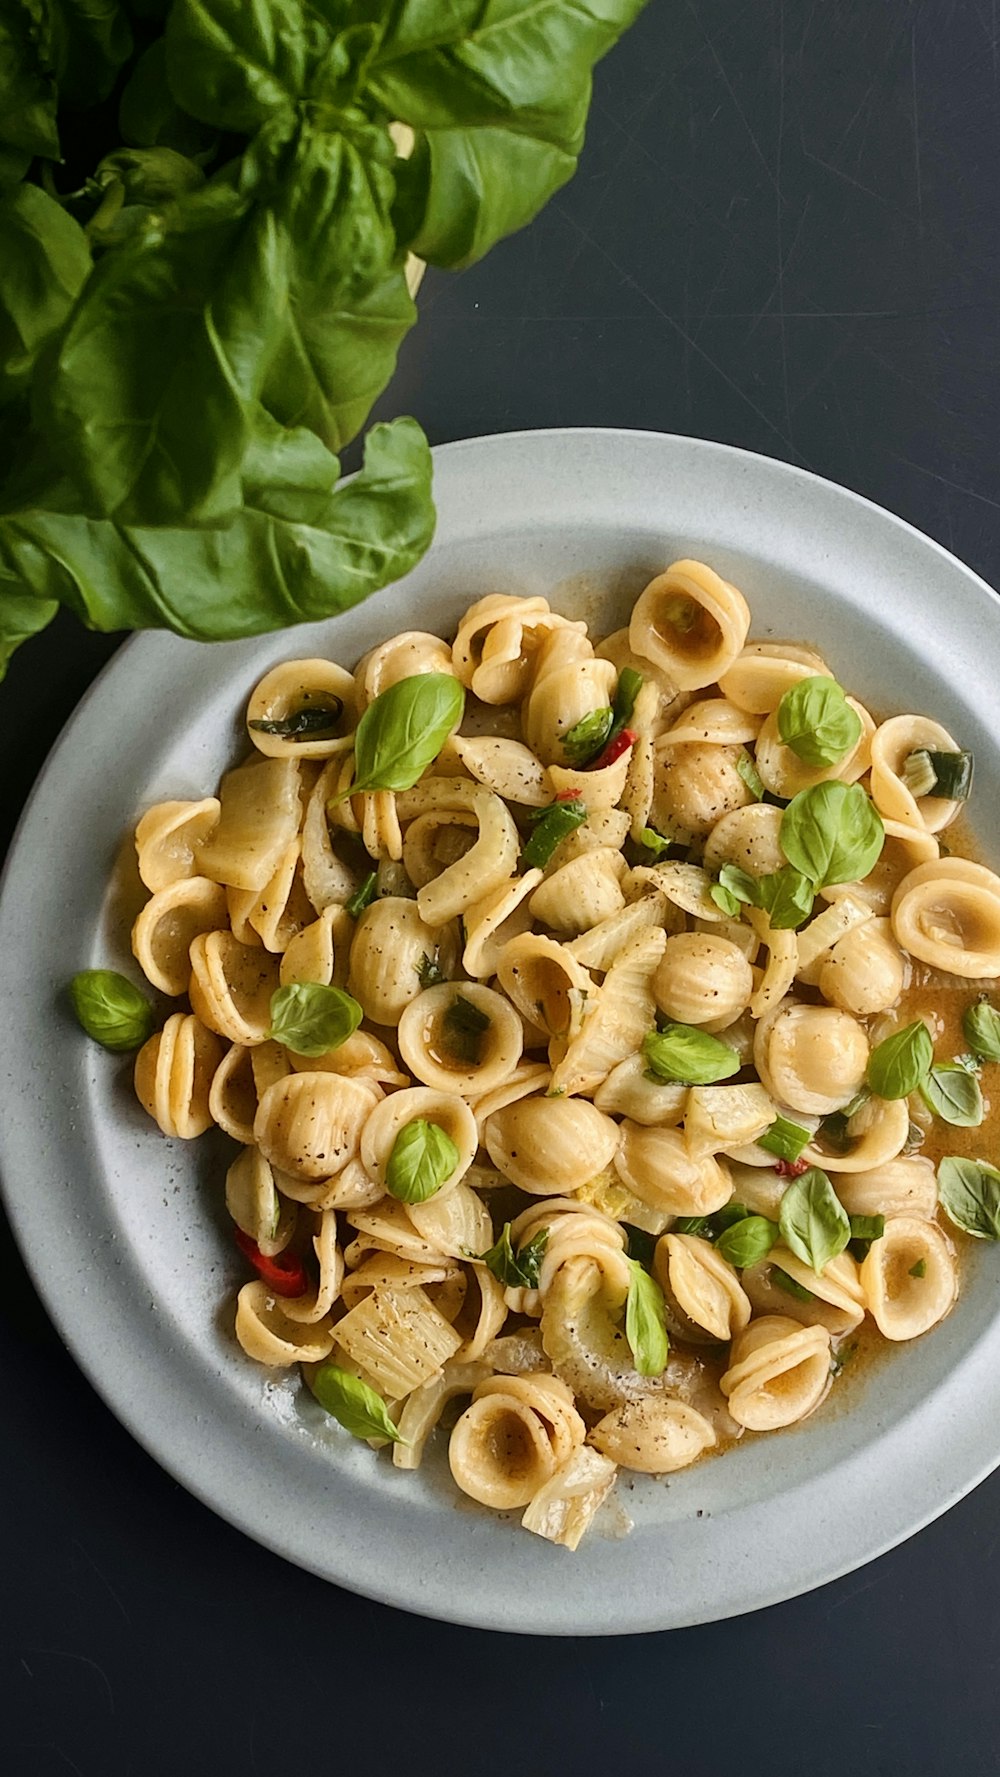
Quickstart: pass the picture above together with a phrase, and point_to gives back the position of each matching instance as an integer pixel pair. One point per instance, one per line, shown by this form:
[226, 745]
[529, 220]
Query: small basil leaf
[953, 1094]
[785, 1140]
[363, 896]
[969, 1191]
[464, 1026]
[790, 1285]
[111, 1010]
[311, 1019]
[739, 884]
[832, 832]
[518, 1270]
[586, 738]
[748, 1241]
[353, 1403]
[897, 1066]
[787, 897]
[423, 1158]
[725, 901]
[750, 775]
[645, 1322]
[919, 1269]
[813, 1221]
[681, 1052]
[552, 826]
[305, 723]
[981, 1029]
[816, 721]
[403, 730]
[654, 842]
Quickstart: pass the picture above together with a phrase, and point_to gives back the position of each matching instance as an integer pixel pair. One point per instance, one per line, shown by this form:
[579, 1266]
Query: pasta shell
[489, 861]
[582, 893]
[713, 721]
[865, 971]
[429, 1051]
[310, 1124]
[893, 742]
[170, 921]
[390, 943]
[906, 1186]
[703, 1285]
[702, 980]
[909, 1278]
[507, 767]
[878, 1132]
[629, 1092]
[811, 1058]
[317, 1302]
[173, 1076]
[168, 836]
[293, 686]
[547, 1145]
[785, 774]
[691, 624]
[232, 1098]
[779, 1372]
[401, 657]
[425, 1405]
[269, 1336]
[564, 1508]
[694, 787]
[947, 914]
[654, 1436]
[835, 1298]
[600, 790]
[545, 982]
[748, 837]
[391, 1117]
[231, 987]
[311, 955]
[491, 923]
[328, 879]
[621, 1015]
[253, 1202]
[655, 1165]
[764, 671]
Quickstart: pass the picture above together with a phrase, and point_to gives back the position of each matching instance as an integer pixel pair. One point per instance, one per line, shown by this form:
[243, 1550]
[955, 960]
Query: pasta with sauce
[585, 1019]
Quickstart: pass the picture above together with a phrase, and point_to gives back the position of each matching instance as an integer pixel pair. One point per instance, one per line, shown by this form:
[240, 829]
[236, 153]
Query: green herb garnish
[969, 1191]
[517, 1270]
[423, 1158]
[682, 1052]
[465, 1025]
[311, 1019]
[588, 737]
[551, 825]
[402, 732]
[430, 972]
[790, 1285]
[816, 721]
[111, 1010]
[363, 895]
[747, 1241]
[645, 1324]
[353, 1403]
[306, 723]
[897, 1066]
[832, 833]
[785, 1140]
[954, 1094]
[751, 776]
[814, 1223]
[981, 1029]
[919, 1269]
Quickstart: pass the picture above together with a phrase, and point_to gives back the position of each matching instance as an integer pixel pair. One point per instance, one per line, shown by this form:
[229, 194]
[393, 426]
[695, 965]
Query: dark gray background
[784, 234]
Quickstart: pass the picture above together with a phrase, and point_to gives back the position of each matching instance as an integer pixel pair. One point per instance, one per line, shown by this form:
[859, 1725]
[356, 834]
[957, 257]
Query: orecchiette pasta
[564, 1018]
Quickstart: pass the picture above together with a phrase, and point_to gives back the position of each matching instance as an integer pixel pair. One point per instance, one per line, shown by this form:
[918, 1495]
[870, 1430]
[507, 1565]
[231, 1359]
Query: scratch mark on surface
[27, 1668]
[50, 1746]
[916, 129]
[717, 59]
[856, 1592]
[102, 1576]
[955, 486]
[65, 1653]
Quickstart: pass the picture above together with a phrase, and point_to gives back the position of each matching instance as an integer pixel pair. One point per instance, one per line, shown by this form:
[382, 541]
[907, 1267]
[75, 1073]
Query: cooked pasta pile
[556, 997]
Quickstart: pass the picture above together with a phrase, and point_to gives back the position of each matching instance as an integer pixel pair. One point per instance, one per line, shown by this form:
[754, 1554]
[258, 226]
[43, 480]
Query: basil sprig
[816, 721]
[832, 832]
[682, 1052]
[521, 1269]
[551, 825]
[309, 722]
[748, 1241]
[954, 1094]
[785, 895]
[402, 732]
[981, 1029]
[111, 1010]
[785, 1139]
[311, 1019]
[363, 895]
[969, 1191]
[814, 1223]
[353, 1403]
[645, 1321]
[897, 1066]
[423, 1158]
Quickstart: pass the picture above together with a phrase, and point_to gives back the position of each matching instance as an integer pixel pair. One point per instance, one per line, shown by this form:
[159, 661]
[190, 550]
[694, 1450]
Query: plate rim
[109, 1386]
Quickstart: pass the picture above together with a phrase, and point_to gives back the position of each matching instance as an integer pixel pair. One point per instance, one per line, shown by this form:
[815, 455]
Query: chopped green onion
[945, 775]
[784, 1139]
[362, 897]
[552, 825]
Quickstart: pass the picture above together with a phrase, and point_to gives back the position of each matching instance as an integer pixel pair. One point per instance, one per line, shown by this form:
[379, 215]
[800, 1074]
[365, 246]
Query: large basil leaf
[465, 189]
[234, 62]
[21, 617]
[149, 115]
[85, 42]
[812, 1219]
[832, 832]
[318, 555]
[44, 259]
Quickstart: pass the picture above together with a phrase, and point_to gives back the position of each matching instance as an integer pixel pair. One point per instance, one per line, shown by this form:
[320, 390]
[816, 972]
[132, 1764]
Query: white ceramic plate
[126, 1234]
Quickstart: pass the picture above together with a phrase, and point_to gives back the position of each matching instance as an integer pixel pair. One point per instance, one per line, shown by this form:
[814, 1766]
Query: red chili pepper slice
[284, 1274]
[614, 750]
[567, 796]
[791, 1168]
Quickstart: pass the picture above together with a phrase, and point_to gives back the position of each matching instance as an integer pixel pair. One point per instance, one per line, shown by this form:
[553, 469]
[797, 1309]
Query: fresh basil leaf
[816, 721]
[21, 617]
[44, 260]
[748, 1241]
[150, 177]
[311, 1019]
[953, 1094]
[981, 1029]
[88, 41]
[149, 115]
[27, 96]
[692, 1225]
[363, 895]
[785, 1139]
[551, 826]
[403, 730]
[423, 1158]
[518, 1270]
[585, 739]
[919, 1269]
[725, 900]
[430, 972]
[790, 1285]
[353, 1403]
[233, 63]
[654, 842]
[645, 1322]
[899, 1064]
[683, 1052]
[832, 833]
[623, 703]
[814, 1223]
[751, 776]
[464, 1026]
[786, 896]
[867, 1227]
[111, 1010]
[464, 189]
[310, 721]
[969, 1191]
[739, 884]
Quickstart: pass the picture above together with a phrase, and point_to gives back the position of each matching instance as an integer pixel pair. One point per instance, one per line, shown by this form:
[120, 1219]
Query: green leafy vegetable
[785, 1139]
[309, 721]
[403, 730]
[867, 1227]
[785, 895]
[969, 1191]
[464, 1026]
[655, 843]
[683, 1052]
[111, 1009]
[899, 1064]
[813, 1221]
[747, 1241]
[44, 262]
[981, 1029]
[645, 1324]
[954, 1094]
[363, 895]
[423, 1158]
[353, 1403]
[832, 833]
[816, 721]
[518, 1270]
[790, 1285]
[311, 1019]
[586, 738]
[551, 826]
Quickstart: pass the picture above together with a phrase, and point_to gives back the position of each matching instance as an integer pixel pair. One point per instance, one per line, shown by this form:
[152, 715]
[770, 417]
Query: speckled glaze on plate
[126, 1233]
